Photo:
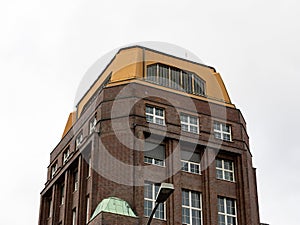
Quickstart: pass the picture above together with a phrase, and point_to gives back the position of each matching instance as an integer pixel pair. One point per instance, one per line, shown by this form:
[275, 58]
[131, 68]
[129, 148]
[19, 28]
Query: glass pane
[196, 217]
[194, 129]
[160, 212]
[151, 72]
[228, 176]
[193, 120]
[220, 174]
[230, 206]
[147, 208]
[159, 121]
[228, 165]
[217, 126]
[219, 163]
[218, 135]
[221, 220]
[184, 127]
[148, 191]
[149, 109]
[231, 220]
[195, 168]
[226, 137]
[225, 128]
[185, 198]
[184, 118]
[184, 166]
[221, 205]
[149, 118]
[195, 200]
[175, 78]
[185, 215]
[159, 112]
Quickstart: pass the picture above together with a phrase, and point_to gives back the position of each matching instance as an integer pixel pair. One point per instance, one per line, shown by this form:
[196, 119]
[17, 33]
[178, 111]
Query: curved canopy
[113, 205]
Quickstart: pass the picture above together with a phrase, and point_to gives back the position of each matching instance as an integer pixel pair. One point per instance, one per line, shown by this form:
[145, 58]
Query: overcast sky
[47, 46]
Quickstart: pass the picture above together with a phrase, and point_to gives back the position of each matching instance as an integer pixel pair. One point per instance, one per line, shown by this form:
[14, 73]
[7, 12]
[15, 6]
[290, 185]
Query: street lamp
[164, 192]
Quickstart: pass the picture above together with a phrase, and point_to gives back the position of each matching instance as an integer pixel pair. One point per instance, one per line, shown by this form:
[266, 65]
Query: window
[66, 155]
[154, 154]
[226, 211]
[62, 193]
[90, 166]
[155, 115]
[92, 125]
[190, 162]
[54, 169]
[225, 169]
[87, 208]
[189, 123]
[222, 131]
[191, 207]
[150, 192]
[50, 207]
[76, 184]
[74, 217]
[175, 78]
[79, 139]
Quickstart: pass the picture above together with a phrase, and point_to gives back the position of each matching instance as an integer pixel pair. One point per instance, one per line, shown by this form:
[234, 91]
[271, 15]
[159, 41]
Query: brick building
[152, 115]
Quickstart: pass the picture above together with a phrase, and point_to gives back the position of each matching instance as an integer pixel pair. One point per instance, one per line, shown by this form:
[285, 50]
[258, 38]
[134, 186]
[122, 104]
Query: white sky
[47, 46]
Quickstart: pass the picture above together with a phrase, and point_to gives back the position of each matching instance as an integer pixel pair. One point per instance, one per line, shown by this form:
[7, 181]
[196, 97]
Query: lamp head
[164, 192]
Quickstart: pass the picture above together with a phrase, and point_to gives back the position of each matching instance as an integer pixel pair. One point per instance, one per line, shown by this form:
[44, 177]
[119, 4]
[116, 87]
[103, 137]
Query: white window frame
[225, 213]
[189, 124]
[222, 131]
[54, 169]
[189, 163]
[79, 139]
[152, 161]
[92, 124]
[66, 155]
[190, 207]
[225, 170]
[152, 200]
[156, 118]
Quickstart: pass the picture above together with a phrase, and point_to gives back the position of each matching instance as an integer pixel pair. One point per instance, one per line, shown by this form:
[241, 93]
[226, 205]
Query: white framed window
[225, 170]
[189, 123]
[66, 155]
[54, 169]
[191, 208]
[150, 192]
[227, 213]
[154, 154]
[79, 139]
[222, 131]
[92, 124]
[76, 182]
[190, 162]
[155, 115]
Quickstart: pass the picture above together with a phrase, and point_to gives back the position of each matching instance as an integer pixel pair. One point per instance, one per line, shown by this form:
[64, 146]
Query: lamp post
[164, 192]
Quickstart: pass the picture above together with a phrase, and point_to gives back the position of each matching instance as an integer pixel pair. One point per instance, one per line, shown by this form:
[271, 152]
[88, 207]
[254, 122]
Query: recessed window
[76, 183]
[191, 208]
[225, 169]
[66, 155]
[155, 115]
[150, 192]
[50, 207]
[54, 168]
[222, 131]
[175, 78]
[227, 214]
[154, 154]
[190, 162]
[62, 193]
[92, 124]
[189, 123]
[79, 139]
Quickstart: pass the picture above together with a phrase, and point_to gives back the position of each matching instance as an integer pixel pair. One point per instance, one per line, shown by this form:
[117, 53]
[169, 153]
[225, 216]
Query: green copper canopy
[113, 205]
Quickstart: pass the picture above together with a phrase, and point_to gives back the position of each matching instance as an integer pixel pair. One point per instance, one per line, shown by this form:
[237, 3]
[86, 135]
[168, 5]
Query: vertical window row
[175, 78]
